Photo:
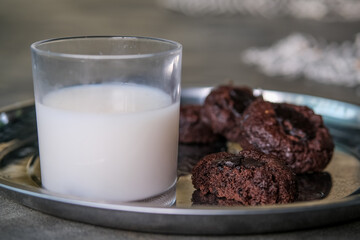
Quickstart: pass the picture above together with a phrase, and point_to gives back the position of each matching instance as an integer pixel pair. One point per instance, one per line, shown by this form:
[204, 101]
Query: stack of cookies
[278, 141]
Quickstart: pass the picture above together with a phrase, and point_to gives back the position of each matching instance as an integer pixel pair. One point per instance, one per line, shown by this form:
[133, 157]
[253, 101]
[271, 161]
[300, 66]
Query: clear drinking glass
[107, 112]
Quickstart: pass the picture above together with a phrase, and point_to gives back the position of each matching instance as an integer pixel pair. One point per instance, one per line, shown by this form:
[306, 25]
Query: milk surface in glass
[112, 142]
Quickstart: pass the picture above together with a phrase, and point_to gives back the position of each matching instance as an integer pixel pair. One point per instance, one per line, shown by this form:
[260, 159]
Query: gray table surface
[212, 48]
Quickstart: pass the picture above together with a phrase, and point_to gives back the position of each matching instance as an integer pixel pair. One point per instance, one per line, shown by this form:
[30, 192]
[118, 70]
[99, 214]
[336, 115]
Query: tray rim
[194, 210]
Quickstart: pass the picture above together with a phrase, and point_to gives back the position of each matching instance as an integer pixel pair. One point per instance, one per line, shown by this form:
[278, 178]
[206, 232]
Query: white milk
[108, 142]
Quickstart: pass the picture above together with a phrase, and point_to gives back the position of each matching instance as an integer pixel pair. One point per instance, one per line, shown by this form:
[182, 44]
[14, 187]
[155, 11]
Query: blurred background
[304, 46]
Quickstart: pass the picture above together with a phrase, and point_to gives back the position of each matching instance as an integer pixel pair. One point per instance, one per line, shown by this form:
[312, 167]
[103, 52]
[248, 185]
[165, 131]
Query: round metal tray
[327, 198]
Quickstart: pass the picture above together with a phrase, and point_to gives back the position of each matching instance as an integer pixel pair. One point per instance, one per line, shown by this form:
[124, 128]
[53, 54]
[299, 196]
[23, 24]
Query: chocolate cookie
[192, 129]
[250, 177]
[293, 133]
[223, 107]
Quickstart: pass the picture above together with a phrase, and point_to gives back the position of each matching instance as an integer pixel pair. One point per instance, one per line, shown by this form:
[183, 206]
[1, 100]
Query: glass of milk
[107, 112]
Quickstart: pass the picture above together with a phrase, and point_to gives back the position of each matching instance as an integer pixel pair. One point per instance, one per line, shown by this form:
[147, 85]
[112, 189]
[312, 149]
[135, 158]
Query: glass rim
[35, 47]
